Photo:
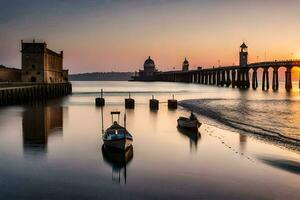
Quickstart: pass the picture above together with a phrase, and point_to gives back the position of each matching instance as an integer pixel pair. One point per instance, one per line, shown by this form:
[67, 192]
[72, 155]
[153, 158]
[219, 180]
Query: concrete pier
[232, 75]
[23, 93]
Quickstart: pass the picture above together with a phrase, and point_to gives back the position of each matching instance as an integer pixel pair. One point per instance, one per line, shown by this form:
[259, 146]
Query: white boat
[117, 136]
[189, 123]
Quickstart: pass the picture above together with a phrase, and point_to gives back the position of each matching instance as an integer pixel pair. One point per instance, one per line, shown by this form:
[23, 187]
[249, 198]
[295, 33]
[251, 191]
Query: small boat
[117, 136]
[189, 123]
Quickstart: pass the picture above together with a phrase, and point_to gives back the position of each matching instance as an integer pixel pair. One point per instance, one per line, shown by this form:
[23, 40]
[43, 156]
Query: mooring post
[100, 102]
[154, 104]
[129, 102]
[172, 103]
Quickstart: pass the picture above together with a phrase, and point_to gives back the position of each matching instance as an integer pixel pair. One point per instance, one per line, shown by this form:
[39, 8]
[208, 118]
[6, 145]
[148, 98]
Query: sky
[118, 35]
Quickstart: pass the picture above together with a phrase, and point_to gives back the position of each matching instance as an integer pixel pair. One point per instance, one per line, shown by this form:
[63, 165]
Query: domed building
[185, 65]
[149, 69]
[149, 65]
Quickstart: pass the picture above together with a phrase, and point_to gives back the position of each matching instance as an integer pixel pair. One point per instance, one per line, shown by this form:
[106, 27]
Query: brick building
[42, 65]
[9, 74]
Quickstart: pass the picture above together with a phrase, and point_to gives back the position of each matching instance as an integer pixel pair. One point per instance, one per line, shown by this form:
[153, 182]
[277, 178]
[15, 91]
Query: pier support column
[206, 78]
[288, 79]
[233, 77]
[275, 82]
[214, 77]
[254, 79]
[218, 78]
[247, 83]
[202, 77]
[265, 83]
[223, 78]
[239, 76]
[228, 81]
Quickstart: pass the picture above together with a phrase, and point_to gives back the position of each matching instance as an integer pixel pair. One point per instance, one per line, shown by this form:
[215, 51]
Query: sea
[248, 146]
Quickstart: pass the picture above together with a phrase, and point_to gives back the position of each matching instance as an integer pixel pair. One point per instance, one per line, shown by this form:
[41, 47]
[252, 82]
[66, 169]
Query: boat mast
[125, 119]
[102, 124]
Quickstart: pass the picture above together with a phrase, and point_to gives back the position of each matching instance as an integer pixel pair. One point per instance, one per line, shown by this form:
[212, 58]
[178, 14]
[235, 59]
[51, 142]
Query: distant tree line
[101, 76]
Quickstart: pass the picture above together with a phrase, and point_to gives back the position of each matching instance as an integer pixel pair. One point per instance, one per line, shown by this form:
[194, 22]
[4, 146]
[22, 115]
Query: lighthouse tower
[243, 55]
[185, 65]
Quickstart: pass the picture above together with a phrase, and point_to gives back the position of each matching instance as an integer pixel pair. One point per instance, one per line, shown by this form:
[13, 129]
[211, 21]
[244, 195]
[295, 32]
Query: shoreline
[274, 137]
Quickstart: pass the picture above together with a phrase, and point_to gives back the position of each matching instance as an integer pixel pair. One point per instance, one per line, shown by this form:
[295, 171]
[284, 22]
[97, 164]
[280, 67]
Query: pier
[236, 76]
[23, 93]
[41, 77]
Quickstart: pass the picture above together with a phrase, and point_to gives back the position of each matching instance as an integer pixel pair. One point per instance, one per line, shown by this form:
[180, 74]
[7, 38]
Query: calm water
[54, 150]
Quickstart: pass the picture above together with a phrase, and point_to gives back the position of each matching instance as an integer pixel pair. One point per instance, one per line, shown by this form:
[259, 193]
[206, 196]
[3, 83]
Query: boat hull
[188, 124]
[121, 144]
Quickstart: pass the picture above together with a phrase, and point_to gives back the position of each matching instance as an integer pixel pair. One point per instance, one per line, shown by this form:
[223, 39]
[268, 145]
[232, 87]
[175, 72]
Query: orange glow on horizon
[296, 73]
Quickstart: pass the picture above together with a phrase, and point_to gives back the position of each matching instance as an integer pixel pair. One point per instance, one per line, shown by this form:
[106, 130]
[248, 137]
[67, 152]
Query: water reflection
[194, 137]
[38, 122]
[243, 142]
[118, 160]
[283, 164]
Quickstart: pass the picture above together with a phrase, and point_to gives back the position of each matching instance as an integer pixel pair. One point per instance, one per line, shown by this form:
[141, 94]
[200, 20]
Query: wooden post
[154, 104]
[172, 103]
[129, 102]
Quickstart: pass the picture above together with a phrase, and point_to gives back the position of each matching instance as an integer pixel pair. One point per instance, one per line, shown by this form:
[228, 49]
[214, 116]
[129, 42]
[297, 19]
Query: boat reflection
[118, 160]
[193, 135]
[243, 142]
[40, 121]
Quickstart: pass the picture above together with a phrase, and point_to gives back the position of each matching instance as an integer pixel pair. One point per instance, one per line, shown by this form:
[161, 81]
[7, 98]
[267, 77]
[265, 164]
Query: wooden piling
[129, 102]
[154, 104]
[100, 101]
[172, 103]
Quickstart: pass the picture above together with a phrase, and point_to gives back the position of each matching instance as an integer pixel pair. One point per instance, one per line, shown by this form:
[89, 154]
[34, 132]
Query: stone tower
[185, 65]
[41, 65]
[243, 55]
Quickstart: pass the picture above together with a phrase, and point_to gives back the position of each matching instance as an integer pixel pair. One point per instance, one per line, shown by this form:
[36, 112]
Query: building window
[27, 73]
[33, 66]
[38, 73]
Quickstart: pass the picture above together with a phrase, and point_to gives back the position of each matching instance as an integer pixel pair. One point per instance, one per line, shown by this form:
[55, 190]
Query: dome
[149, 63]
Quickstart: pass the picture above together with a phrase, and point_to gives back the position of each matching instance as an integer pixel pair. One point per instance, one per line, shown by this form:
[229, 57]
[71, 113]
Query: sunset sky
[118, 35]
